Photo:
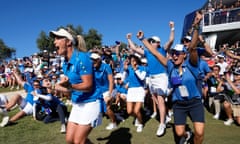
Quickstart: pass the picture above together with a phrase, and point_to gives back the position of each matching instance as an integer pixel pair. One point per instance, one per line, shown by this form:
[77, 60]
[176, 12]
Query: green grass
[28, 131]
[7, 89]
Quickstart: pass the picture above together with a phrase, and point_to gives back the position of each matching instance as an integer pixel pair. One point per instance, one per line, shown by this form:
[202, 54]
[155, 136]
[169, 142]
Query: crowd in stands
[218, 12]
[126, 73]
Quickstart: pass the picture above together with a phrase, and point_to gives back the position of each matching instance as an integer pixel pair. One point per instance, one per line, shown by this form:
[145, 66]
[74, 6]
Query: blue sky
[23, 20]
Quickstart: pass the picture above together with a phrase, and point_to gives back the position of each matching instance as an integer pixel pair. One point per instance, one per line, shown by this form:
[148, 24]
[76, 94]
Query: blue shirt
[154, 66]
[120, 88]
[79, 65]
[204, 67]
[101, 76]
[132, 79]
[29, 88]
[187, 79]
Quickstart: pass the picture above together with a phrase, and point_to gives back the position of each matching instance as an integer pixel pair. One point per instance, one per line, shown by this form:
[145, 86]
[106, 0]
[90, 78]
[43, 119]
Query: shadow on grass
[119, 136]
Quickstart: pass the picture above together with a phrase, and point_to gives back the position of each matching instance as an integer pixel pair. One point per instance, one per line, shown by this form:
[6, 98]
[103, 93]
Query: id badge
[213, 89]
[183, 91]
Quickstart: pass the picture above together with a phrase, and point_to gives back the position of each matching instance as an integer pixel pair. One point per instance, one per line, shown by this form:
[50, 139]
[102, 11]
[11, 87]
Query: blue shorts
[193, 108]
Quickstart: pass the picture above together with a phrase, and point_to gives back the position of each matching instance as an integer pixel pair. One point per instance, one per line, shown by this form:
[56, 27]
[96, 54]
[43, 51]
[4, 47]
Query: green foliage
[5, 51]
[43, 41]
[28, 131]
[92, 38]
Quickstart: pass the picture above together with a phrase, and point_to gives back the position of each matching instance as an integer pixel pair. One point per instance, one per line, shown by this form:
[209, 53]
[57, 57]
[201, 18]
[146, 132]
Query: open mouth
[56, 48]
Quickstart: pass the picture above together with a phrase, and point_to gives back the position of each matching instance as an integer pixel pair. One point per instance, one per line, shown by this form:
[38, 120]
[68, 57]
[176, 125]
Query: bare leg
[77, 134]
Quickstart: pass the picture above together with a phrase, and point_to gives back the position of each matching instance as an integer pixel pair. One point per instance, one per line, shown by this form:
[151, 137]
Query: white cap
[95, 56]
[62, 33]
[179, 47]
[188, 38]
[39, 76]
[118, 75]
[144, 60]
[156, 38]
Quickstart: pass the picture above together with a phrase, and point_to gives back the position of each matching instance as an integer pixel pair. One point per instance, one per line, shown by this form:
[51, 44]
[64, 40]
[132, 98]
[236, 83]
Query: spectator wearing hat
[103, 77]
[77, 67]
[158, 79]
[183, 70]
[222, 63]
[121, 90]
[136, 75]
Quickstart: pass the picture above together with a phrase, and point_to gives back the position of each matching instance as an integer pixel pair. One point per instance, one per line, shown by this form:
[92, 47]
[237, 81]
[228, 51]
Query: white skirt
[158, 81]
[86, 113]
[136, 94]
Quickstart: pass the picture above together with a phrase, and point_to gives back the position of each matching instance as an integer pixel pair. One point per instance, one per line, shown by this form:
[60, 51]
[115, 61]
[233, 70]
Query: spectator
[103, 77]
[183, 72]
[158, 79]
[231, 104]
[121, 91]
[136, 75]
[53, 107]
[3, 111]
[26, 104]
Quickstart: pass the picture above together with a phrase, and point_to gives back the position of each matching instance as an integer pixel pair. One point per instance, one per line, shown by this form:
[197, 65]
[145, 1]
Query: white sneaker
[4, 121]
[139, 128]
[216, 116]
[161, 129]
[168, 119]
[154, 115]
[63, 128]
[111, 126]
[228, 122]
[136, 123]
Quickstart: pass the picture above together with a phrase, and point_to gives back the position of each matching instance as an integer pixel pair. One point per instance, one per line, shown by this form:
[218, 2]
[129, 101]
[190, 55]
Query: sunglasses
[153, 41]
[177, 53]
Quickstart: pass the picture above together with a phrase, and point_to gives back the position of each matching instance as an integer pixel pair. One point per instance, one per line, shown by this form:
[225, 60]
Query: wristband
[196, 27]
[172, 29]
[142, 38]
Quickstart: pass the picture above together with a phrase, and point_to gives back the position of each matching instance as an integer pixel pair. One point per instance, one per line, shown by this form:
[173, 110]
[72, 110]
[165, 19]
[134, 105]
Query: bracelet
[172, 29]
[196, 27]
[142, 38]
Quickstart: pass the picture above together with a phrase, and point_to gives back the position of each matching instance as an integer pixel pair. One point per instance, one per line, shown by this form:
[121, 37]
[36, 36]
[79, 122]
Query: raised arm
[192, 49]
[132, 45]
[206, 46]
[18, 77]
[171, 36]
[228, 53]
[160, 57]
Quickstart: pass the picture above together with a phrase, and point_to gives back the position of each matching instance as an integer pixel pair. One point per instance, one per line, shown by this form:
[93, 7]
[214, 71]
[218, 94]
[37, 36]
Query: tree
[5, 51]
[43, 42]
[92, 38]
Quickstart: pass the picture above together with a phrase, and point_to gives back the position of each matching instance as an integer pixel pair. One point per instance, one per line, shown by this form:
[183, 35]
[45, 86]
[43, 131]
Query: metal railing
[221, 17]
